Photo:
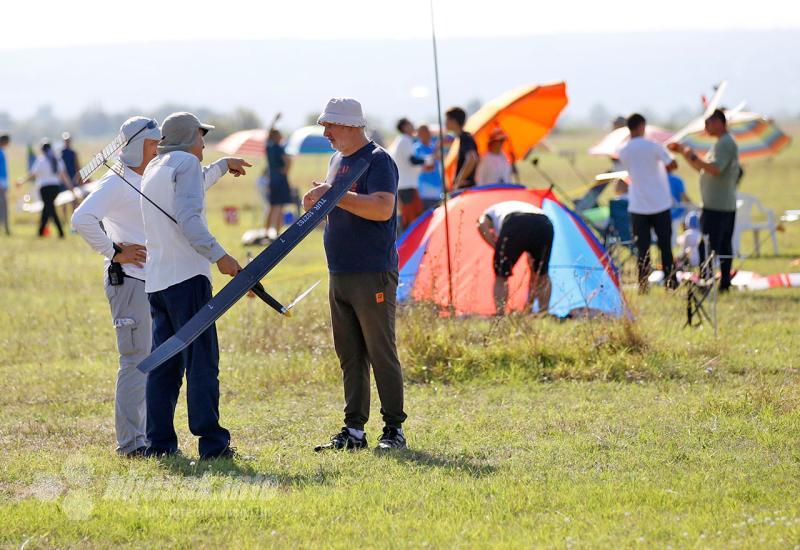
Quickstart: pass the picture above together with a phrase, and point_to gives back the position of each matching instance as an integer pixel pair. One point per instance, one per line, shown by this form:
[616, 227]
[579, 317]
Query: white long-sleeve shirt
[117, 206]
[177, 183]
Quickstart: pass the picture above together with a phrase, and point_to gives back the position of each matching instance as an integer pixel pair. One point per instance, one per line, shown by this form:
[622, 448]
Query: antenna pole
[441, 162]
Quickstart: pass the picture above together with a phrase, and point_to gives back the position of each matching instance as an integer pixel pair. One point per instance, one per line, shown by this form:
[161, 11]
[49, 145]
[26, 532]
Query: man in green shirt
[719, 176]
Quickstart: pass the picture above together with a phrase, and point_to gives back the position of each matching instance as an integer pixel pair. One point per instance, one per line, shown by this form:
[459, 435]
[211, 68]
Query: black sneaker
[160, 453]
[138, 452]
[392, 439]
[228, 454]
[343, 440]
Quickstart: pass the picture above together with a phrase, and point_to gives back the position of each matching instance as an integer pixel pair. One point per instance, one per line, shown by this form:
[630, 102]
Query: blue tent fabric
[583, 278]
[577, 275]
[308, 140]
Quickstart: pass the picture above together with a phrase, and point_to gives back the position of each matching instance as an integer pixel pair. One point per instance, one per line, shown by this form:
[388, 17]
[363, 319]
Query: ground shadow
[765, 298]
[241, 469]
[454, 463]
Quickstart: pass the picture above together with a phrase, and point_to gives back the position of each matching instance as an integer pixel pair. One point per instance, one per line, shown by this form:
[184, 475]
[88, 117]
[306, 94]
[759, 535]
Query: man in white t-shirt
[513, 228]
[650, 200]
[409, 167]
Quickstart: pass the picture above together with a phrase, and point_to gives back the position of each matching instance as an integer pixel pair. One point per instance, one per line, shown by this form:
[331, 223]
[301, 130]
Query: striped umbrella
[610, 145]
[755, 135]
[249, 143]
[307, 140]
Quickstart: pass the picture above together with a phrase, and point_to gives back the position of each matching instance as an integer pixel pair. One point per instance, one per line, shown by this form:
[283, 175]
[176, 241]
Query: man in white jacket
[180, 249]
[110, 220]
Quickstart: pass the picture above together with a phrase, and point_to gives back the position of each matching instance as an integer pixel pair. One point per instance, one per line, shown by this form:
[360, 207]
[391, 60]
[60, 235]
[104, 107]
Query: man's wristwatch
[117, 250]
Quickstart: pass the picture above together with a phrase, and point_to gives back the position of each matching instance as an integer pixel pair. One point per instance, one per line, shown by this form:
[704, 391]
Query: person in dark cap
[178, 284]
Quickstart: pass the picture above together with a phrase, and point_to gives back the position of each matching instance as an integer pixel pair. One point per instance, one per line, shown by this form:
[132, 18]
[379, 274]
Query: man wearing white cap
[362, 260]
[110, 220]
[180, 249]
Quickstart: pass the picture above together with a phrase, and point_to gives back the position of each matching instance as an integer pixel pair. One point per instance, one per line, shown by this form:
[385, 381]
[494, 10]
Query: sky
[106, 21]
[292, 55]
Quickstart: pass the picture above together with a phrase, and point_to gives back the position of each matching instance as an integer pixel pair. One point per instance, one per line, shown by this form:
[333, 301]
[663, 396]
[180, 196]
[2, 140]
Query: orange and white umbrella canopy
[248, 143]
[610, 145]
[525, 115]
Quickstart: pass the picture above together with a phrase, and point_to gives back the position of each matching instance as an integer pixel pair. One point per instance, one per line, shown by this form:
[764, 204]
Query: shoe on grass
[229, 453]
[160, 453]
[138, 452]
[342, 441]
[392, 438]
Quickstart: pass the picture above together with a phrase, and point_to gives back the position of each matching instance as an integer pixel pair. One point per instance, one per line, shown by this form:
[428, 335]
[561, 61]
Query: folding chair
[698, 292]
[618, 240]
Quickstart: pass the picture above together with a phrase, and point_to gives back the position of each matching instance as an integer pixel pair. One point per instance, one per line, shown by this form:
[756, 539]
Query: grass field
[522, 432]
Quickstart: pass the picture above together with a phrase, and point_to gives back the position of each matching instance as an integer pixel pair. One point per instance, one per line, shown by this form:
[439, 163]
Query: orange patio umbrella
[525, 114]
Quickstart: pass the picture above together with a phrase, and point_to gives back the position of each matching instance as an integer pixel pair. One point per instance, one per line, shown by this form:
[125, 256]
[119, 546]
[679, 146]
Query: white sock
[358, 434]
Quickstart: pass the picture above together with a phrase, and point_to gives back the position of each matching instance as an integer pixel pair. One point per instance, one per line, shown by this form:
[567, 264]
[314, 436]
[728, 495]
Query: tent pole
[450, 305]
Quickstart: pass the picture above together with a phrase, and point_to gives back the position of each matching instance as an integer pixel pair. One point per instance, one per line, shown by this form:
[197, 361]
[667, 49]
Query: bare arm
[275, 120]
[26, 179]
[486, 229]
[378, 206]
[694, 161]
[700, 165]
[469, 166]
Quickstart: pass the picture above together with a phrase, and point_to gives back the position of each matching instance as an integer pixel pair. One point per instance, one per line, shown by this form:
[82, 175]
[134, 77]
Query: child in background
[689, 241]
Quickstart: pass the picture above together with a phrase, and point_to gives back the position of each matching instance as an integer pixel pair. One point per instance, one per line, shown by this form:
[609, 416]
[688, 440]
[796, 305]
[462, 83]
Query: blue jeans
[170, 309]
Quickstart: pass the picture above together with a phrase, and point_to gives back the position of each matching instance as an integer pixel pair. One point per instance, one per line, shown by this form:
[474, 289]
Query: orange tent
[525, 114]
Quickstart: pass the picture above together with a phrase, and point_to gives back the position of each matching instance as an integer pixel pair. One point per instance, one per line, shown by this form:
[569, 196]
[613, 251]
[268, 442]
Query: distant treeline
[95, 123]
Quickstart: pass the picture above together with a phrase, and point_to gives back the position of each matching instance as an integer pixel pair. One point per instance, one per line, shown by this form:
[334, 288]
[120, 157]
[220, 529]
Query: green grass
[523, 432]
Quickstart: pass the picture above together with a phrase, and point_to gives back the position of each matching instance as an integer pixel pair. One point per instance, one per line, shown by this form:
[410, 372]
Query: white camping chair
[745, 205]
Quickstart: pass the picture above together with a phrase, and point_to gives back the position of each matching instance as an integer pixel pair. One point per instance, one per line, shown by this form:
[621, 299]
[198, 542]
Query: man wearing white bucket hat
[110, 220]
[362, 260]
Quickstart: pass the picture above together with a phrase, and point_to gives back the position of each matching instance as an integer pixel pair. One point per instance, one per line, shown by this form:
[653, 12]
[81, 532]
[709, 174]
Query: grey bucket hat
[178, 132]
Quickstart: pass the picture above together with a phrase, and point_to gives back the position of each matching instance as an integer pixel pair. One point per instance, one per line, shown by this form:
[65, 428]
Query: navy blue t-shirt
[354, 244]
[275, 152]
[70, 159]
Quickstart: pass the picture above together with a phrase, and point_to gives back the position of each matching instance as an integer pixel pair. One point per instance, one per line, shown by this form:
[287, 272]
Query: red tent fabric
[581, 273]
